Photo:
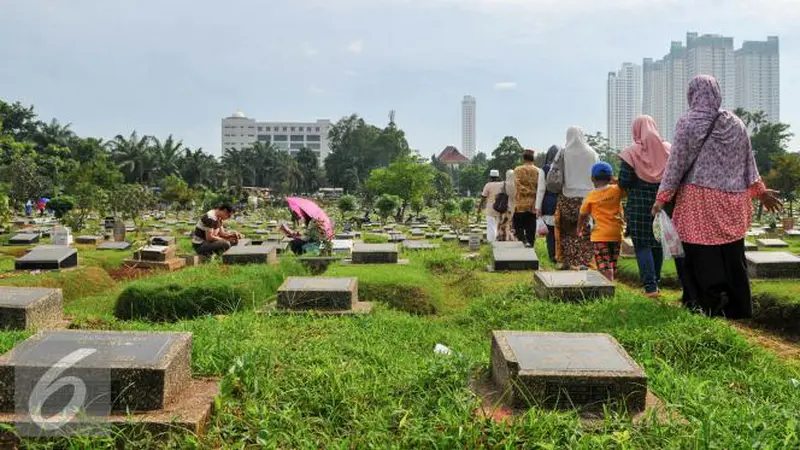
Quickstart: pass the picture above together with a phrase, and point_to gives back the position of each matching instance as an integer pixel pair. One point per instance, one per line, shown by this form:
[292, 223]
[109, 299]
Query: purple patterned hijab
[726, 161]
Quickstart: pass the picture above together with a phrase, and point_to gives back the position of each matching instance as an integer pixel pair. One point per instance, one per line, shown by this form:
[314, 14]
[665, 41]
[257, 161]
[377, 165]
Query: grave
[130, 379]
[572, 285]
[251, 254]
[244, 242]
[331, 295]
[585, 371]
[419, 245]
[162, 240]
[374, 254]
[792, 233]
[89, 239]
[449, 238]
[24, 239]
[397, 237]
[156, 257]
[417, 233]
[23, 308]
[61, 236]
[626, 249]
[341, 246]
[114, 246]
[51, 257]
[507, 244]
[345, 236]
[261, 231]
[275, 237]
[772, 265]
[514, 258]
[772, 243]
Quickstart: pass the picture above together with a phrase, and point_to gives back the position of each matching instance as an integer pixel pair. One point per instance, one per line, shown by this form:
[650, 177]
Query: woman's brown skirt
[572, 250]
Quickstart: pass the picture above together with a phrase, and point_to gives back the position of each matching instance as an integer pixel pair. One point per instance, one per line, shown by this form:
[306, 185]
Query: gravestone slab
[507, 244]
[89, 239]
[772, 265]
[244, 242]
[162, 240]
[144, 370]
[261, 231]
[572, 285]
[251, 254]
[514, 258]
[374, 254]
[61, 236]
[750, 247]
[587, 371]
[53, 257]
[157, 253]
[792, 233]
[627, 249]
[24, 239]
[341, 246]
[449, 238]
[275, 237]
[397, 237]
[114, 246]
[345, 236]
[24, 308]
[772, 243]
[419, 245]
[301, 293]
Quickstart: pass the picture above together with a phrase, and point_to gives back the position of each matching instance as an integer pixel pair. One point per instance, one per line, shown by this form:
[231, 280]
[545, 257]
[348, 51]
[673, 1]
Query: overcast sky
[178, 66]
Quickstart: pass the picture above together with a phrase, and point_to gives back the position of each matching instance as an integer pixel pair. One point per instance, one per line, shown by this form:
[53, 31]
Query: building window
[296, 146]
[313, 146]
[264, 137]
[280, 137]
[292, 128]
[251, 135]
[297, 138]
[285, 128]
[313, 138]
[268, 129]
[317, 130]
[260, 128]
[308, 129]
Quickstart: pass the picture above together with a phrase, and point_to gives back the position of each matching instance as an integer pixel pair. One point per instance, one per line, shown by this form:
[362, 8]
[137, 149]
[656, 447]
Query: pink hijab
[649, 154]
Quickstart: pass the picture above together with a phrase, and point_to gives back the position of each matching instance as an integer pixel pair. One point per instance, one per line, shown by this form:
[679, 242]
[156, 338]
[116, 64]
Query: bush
[347, 204]
[387, 205]
[61, 205]
[467, 205]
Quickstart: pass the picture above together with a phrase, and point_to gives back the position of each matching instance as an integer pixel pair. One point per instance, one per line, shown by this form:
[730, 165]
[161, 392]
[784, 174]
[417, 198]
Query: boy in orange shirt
[604, 205]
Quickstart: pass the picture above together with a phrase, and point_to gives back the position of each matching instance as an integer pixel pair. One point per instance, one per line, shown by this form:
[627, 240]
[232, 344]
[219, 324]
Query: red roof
[451, 155]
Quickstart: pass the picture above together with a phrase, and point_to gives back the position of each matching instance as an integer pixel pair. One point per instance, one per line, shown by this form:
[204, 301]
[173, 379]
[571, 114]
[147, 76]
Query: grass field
[304, 381]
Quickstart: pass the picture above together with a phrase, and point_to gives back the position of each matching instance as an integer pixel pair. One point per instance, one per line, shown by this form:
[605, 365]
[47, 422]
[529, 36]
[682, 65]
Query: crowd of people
[704, 181]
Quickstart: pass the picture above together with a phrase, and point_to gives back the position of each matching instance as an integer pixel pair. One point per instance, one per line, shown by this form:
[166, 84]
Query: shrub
[467, 205]
[347, 204]
[172, 302]
[387, 205]
[61, 205]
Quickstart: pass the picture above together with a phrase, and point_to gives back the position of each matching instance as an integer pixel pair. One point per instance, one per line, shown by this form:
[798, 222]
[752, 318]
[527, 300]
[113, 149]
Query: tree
[166, 156]
[480, 158]
[347, 204]
[131, 201]
[507, 154]
[448, 209]
[25, 181]
[769, 143]
[406, 177]
[386, 206]
[54, 133]
[199, 168]
[133, 156]
[785, 177]
[308, 164]
[600, 144]
[61, 205]
[472, 178]
[88, 198]
[175, 191]
[442, 187]
[18, 121]
[467, 205]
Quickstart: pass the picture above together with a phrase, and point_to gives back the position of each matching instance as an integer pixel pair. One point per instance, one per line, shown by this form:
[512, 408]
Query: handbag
[501, 201]
[555, 177]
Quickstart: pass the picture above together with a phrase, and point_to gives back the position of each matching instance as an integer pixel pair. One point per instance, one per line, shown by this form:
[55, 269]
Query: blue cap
[602, 169]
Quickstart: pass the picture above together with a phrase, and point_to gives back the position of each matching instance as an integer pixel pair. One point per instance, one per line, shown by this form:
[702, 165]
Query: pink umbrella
[308, 209]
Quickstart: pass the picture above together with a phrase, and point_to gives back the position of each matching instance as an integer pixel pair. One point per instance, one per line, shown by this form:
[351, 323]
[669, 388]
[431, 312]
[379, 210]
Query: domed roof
[239, 114]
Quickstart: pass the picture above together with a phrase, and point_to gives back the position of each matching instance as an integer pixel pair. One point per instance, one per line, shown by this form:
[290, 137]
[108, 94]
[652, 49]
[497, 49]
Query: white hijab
[579, 158]
[511, 189]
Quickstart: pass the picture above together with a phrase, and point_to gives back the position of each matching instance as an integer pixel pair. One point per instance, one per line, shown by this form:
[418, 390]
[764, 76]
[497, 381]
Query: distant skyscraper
[624, 103]
[758, 78]
[468, 143]
[712, 54]
[654, 83]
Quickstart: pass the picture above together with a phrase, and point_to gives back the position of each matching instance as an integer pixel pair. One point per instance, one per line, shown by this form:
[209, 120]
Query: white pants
[491, 228]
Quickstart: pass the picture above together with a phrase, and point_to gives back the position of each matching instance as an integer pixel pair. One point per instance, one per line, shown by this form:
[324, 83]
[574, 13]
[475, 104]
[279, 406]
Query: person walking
[488, 197]
[528, 178]
[641, 169]
[711, 175]
[577, 161]
[604, 206]
[505, 226]
[546, 203]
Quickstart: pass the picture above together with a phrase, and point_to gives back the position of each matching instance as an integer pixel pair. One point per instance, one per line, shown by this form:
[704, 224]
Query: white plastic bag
[541, 227]
[665, 232]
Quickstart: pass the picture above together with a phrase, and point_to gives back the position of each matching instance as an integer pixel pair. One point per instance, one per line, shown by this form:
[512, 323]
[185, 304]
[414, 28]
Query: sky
[177, 67]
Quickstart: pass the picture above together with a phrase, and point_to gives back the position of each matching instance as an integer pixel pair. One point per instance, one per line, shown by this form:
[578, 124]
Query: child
[604, 205]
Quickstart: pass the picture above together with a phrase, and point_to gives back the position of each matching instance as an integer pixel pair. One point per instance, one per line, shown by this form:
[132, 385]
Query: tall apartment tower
[758, 81]
[624, 103]
[468, 142]
[712, 54]
[654, 84]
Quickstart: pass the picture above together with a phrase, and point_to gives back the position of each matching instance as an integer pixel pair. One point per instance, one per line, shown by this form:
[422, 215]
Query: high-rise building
[624, 103]
[240, 132]
[654, 82]
[758, 77]
[468, 143]
[712, 54]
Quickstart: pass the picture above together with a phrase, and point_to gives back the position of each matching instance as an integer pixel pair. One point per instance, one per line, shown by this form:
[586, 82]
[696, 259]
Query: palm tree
[133, 156]
[54, 133]
[199, 168]
[235, 162]
[166, 156]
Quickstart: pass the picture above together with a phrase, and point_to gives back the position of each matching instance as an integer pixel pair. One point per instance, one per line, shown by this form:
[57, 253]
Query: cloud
[315, 90]
[309, 50]
[355, 47]
[505, 86]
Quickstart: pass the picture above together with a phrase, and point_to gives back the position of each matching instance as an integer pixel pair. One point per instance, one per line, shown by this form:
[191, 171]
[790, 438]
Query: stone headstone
[162, 240]
[419, 245]
[251, 254]
[772, 243]
[397, 237]
[510, 258]
[626, 249]
[25, 308]
[244, 242]
[374, 254]
[119, 230]
[114, 246]
[572, 285]
[144, 370]
[586, 371]
[341, 246]
[275, 237]
[301, 293]
[449, 238]
[261, 231]
[61, 236]
[750, 247]
[792, 233]
[156, 253]
[89, 239]
[24, 239]
[507, 244]
[474, 242]
[50, 257]
[772, 265]
[345, 236]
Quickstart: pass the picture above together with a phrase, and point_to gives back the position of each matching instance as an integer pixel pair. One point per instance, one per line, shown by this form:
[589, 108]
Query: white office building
[758, 81]
[240, 132]
[654, 82]
[624, 103]
[468, 142]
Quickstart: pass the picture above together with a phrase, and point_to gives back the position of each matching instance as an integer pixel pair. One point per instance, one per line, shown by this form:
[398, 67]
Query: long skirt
[715, 280]
[574, 251]
[505, 229]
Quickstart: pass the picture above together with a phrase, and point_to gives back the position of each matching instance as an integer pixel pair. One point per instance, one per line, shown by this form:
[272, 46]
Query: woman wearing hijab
[578, 158]
[505, 230]
[640, 173]
[711, 173]
[546, 204]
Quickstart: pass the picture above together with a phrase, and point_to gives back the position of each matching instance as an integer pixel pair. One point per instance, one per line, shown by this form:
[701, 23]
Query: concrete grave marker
[162, 240]
[24, 239]
[23, 308]
[792, 233]
[345, 236]
[514, 258]
[89, 239]
[572, 285]
[244, 242]
[114, 246]
[507, 244]
[772, 243]
[419, 245]
[397, 237]
[156, 257]
[772, 265]
[322, 293]
[374, 254]
[750, 247]
[449, 238]
[51, 257]
[565, 371]
[61, 236]
[251, 254]
[341, 246]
